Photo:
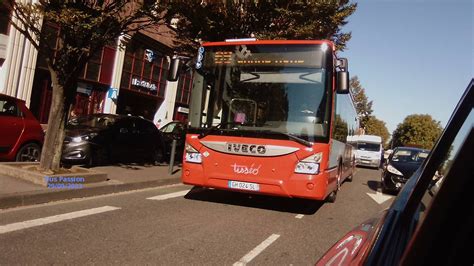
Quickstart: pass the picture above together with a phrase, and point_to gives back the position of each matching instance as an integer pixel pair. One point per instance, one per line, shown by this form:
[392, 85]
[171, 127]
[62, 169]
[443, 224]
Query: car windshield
[364, 146]
[91, 122]
[409, 156]
[168, 128]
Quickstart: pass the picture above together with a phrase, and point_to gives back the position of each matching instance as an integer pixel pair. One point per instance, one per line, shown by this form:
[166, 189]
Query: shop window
[184, 88]
[4, 19]
[156, 73]
[93, 66]
[142, 75]
[137, 67]
[92, 71]
[125, 82]
[147, 69]
[127, 64]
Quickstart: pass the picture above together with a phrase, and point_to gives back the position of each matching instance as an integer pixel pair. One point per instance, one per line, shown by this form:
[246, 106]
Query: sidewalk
[15, 192]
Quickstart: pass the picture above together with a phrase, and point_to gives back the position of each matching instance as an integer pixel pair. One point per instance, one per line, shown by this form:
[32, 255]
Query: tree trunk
[52, 147]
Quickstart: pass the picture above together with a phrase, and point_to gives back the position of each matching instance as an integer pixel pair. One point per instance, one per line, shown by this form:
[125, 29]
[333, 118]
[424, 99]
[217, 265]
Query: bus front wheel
[331, 198]
[333, 195]
[353, 168]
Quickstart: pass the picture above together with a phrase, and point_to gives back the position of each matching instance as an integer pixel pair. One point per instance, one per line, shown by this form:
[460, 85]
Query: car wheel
[331, 198]
[30, 152]
[158, 156]
[350, 178]
[98, 156]
[353, 168]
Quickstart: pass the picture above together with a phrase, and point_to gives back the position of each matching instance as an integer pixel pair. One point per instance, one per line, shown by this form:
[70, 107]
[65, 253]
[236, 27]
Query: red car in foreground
[21, 135]
[431, 222]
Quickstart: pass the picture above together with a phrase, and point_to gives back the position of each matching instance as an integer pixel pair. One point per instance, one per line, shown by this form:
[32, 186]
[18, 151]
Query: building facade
[128, 78]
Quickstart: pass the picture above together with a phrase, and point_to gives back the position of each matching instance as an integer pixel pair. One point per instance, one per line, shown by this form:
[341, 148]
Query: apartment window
[4, 19]
[185, 84]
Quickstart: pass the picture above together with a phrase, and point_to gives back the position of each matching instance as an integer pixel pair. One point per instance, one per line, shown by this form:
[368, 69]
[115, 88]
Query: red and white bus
[270, 117]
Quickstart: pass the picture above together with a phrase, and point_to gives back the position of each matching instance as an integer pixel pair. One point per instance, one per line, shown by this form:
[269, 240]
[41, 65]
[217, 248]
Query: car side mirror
[123, 130]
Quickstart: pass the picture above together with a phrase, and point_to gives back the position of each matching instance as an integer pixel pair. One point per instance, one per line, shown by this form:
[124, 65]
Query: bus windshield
[266, 88]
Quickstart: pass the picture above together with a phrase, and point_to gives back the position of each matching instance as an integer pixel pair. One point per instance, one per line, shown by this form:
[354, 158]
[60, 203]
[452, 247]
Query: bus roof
[255, 42]
[365, 138]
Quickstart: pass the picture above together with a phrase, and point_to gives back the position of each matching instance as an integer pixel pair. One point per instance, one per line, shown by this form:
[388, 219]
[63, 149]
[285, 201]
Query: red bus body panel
[275, 175]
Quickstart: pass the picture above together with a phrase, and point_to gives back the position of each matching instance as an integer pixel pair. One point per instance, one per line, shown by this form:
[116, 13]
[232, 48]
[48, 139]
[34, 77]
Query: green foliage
[340, 129]
[362, 104]
[417, 130]
[219, 20]
[374, 126]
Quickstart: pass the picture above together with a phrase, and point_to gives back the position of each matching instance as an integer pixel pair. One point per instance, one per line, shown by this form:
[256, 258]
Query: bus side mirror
[342, 82]
[175, 65]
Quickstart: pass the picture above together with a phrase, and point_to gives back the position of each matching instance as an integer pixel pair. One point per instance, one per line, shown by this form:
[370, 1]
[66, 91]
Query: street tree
[200, 21]
[362, 104]
[419, 130]
[84, 28]
[375, 126]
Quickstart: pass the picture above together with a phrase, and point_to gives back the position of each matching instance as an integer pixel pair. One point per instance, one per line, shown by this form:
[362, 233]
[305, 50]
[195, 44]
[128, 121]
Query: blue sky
[412, 57]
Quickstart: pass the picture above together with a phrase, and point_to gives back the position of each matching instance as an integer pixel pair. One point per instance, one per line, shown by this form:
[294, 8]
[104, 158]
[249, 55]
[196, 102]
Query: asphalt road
[202, 227]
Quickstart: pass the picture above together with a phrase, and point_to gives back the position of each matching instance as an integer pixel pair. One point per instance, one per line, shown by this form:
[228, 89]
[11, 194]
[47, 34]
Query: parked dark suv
[21, 135]
[105, 138]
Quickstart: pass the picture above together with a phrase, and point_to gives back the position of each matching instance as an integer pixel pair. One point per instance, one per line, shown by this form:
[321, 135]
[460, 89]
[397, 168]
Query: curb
[38, 197]
[14, 169]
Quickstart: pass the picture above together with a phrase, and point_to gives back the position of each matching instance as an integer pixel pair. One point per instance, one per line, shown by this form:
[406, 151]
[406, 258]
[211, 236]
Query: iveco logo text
[246, 148]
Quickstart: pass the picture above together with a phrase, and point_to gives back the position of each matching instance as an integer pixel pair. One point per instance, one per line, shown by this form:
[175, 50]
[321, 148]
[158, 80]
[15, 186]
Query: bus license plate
[244, 185]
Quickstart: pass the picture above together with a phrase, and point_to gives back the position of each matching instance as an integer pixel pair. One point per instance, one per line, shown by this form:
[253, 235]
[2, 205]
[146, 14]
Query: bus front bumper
[296, 186]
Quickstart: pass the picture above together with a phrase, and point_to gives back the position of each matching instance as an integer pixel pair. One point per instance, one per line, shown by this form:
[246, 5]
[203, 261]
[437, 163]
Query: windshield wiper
[215, 128]
[291, 137]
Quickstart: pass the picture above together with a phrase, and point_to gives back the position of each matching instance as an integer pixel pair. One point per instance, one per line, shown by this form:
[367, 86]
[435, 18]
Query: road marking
[59, 202]
[170, 195]
[379, 197]
[299, 216]
[53, 219]
[254, 253]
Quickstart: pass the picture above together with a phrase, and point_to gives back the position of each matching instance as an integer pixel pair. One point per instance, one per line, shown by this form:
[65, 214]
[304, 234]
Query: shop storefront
[143, 82]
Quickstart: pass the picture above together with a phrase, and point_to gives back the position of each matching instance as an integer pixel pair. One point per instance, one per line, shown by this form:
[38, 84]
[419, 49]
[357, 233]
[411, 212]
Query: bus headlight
[307, 168]
[309, 165]
[192, 155]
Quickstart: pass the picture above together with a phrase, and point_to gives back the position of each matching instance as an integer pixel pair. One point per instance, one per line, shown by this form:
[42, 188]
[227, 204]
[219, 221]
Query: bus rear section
[368, 150]
[264, 166]
[261, 119]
